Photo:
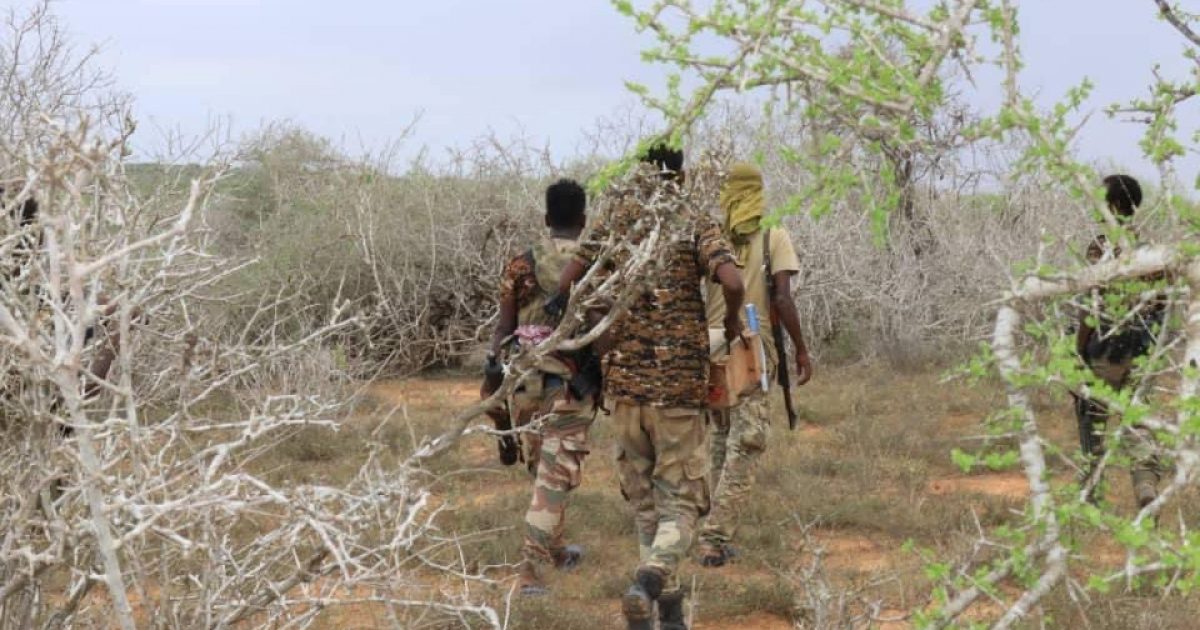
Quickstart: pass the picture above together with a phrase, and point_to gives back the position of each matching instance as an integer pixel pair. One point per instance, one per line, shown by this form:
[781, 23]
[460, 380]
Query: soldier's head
[1124, 195]
[566, 203]
[23, 213]
[668, 161]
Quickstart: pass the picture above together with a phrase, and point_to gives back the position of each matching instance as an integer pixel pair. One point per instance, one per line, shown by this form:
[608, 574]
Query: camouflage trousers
[557, 467]
[739, 437]
[662, 463]
[1093, 416]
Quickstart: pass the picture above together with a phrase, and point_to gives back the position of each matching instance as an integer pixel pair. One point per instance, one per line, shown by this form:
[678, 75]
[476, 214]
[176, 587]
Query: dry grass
[868, 470]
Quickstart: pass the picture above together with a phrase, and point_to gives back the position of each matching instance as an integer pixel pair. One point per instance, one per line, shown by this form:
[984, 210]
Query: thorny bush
[130, 493]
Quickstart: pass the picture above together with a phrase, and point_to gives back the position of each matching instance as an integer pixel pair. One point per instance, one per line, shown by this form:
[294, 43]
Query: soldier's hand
[493, 376]
[510, 451]
[804, 369]
[733, 328]
[555, 306]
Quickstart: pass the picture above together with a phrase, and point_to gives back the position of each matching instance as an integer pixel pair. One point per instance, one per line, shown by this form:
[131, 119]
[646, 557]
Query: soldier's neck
[570, 234]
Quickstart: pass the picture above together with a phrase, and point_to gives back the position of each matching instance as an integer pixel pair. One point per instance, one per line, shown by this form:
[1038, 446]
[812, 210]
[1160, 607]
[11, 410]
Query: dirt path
[746, 595]
[1007, 485]
[758, 621]
[850, 551]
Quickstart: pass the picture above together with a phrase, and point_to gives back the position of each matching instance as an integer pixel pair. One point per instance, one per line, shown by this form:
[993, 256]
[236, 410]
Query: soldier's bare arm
[510, 281]
[734, 290]
[102, 361]
[507, 322]
[785, 308]
[493, 375]
[108, 334]
[722, 267]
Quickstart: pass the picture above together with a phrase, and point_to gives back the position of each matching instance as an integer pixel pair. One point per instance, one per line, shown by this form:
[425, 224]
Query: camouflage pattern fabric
[524, 404]
[559, 468]
[1094, 415]
[662, 464]
[555, 451]
[1116, 341]
[738, 439]
[525, 280]
[518, 280]
[660, 356]
[532, 277]
[1110, 353]
[557, 464]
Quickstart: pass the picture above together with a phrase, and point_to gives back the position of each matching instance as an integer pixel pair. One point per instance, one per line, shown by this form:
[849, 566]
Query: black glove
[555, 306]
[493, 374]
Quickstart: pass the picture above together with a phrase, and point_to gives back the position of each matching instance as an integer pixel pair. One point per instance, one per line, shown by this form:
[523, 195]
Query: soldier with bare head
[558, 397]
[1110, 348]
[656, 378]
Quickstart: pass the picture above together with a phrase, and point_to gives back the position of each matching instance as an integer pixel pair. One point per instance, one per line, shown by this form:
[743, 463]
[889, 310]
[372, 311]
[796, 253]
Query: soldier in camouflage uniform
[656, 379]
[739, 434]
[1110, 351]
[557, 448]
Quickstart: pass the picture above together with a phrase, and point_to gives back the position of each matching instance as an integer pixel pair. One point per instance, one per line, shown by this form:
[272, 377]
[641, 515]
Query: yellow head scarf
[742, 202]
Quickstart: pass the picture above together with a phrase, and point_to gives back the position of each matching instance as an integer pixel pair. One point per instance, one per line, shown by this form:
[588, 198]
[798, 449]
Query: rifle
[782, 376]
[509, 445]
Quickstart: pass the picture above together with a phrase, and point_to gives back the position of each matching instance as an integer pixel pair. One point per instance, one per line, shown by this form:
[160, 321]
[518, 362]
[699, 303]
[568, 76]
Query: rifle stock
[508, 445]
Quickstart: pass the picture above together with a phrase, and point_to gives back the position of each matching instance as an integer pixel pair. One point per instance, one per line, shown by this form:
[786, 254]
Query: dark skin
[785, 309]
[734, 290]
[110, 343]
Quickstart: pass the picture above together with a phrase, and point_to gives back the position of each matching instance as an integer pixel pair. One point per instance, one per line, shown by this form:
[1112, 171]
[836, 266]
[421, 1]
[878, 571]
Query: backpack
[547, 261]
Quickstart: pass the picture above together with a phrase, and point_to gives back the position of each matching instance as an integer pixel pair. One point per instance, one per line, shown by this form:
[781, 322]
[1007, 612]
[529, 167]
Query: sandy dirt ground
[868, 471]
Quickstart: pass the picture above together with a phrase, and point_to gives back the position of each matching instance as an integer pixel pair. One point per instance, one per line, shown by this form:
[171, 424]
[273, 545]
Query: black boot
[529, 578]
[670, 611]
[569, 558]
[638, 602]
[715, 556]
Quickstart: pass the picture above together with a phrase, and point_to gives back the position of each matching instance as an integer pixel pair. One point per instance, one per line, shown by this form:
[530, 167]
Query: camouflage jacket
[1118, 338]
[660, 356]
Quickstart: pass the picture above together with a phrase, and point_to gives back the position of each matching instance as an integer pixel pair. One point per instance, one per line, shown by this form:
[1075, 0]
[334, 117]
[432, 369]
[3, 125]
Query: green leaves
[855, 67]
[1099, 584]
[1003, 460]
[874, 84]
[965, 461]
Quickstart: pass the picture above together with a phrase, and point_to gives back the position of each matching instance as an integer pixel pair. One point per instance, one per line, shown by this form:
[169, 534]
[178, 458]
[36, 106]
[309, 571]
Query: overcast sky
[360, 70]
